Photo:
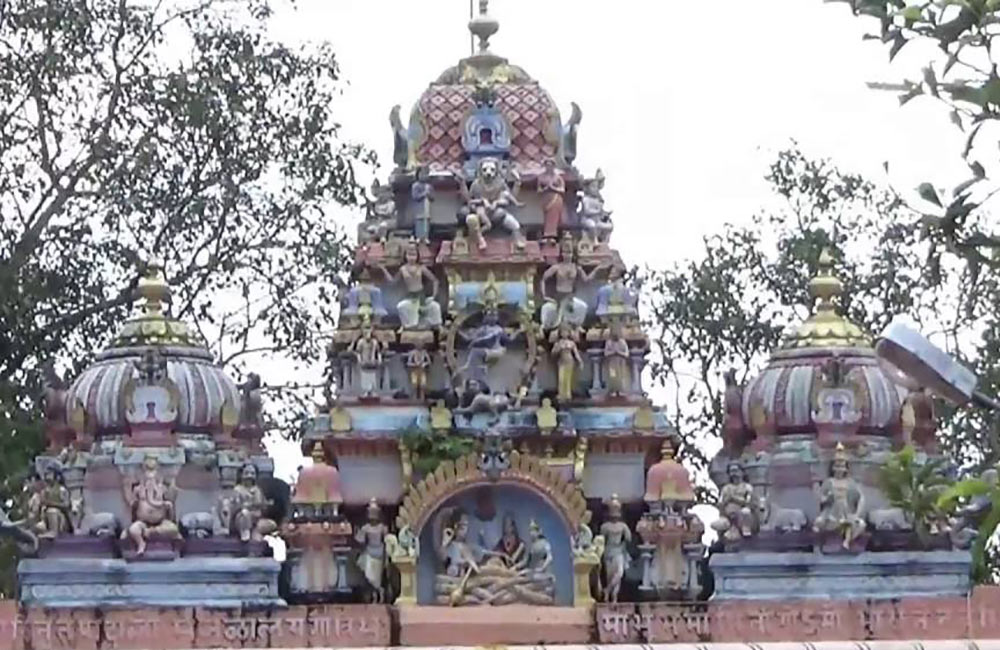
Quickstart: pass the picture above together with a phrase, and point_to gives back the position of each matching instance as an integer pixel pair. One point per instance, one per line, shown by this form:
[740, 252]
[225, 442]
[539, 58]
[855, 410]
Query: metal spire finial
[483, 26]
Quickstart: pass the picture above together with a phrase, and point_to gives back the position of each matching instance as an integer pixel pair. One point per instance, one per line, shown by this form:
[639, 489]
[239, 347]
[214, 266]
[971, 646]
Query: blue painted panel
[486, 507]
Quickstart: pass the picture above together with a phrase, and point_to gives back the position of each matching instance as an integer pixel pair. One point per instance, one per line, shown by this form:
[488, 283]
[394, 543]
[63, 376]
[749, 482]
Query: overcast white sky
[684, 102]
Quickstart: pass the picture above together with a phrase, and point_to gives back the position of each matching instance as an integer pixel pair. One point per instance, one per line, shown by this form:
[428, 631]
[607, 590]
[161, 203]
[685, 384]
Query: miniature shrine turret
[802, 501]
[155, 490]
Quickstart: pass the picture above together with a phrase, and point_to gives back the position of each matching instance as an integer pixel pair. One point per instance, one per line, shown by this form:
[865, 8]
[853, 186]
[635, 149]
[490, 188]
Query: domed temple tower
[486, 441]
[488, 361]
[803, 502]
[151, 493]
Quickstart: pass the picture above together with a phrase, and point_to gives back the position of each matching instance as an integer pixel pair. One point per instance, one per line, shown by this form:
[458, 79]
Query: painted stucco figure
[49, 506]
[490, 201]
[552, 187]
[564, 306]
[151, 501]
[841, 502]
[368, 353]
[371, 560]
[616, 362]
[567, 358]
[419, 309]
[617, 537]
[737, 506]
[249, 503]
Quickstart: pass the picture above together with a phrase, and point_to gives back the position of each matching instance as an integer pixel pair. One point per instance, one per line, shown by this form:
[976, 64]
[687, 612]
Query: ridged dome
[824, 372]
[204, 390]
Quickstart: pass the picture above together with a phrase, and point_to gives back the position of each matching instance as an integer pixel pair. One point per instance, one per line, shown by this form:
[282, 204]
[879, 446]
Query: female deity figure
[49, 506]
[616, 359]
[151, 500]
[565, 306]
[371, 561]
[368, 352]
[552, 187]
[510, 548]
[736, 505]
[567, 358]
[595, 219]
[418, 360]
[418, 310]
[248, 508]
[489, 200]
[422, 193]
[841, 502]
[617, 536]
[539, 552]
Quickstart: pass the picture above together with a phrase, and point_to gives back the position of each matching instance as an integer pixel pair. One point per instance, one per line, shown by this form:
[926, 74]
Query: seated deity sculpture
[473, 575]
[595, 219]
[565, 306]
[382, 216]
[489, 201]
[49, 506]
[841, 502]
[417, 310]
[737, 506]
[510, 548]
[249, 502]
[615, 299]
[151, 501]
[364, 300]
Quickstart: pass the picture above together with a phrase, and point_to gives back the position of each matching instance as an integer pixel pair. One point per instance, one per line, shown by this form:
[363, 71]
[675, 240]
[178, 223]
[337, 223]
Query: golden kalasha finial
[373, 507]
[840, 453]
[825, 285]
[153, 288]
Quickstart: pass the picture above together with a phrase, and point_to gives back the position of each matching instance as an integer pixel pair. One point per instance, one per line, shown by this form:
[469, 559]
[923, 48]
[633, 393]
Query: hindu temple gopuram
[488, 467]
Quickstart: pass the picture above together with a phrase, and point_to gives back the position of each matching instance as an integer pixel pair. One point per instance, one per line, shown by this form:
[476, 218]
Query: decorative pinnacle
[153, 288]
[483, 26]
[667, 450]
[825, 285]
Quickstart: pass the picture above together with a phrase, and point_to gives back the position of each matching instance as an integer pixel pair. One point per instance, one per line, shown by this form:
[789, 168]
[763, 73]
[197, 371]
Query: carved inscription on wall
[332, 626]
[800, 620]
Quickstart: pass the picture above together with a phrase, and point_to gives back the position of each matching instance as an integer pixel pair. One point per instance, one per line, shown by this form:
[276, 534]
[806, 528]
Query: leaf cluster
[915, 486]
[428, 449]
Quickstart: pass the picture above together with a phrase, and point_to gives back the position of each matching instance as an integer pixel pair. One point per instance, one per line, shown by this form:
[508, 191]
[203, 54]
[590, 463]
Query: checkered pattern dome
[530, 111]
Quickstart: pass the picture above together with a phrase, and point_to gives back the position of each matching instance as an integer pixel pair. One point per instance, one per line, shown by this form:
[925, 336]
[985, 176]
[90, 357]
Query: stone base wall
[976, 616]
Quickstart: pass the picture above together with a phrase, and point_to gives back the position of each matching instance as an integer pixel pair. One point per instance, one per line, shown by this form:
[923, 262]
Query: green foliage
[728, 306]
[983, 563]
[963, 78]
[429, 449]
[915, 487]
[176, 131]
